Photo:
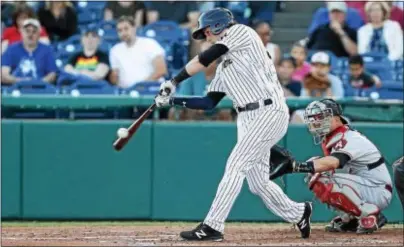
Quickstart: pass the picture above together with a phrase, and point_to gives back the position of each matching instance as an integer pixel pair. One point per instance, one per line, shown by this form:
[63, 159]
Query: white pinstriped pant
[257, 132]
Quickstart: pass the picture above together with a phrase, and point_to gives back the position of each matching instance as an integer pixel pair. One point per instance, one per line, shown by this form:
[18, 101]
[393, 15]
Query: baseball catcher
[360, 189]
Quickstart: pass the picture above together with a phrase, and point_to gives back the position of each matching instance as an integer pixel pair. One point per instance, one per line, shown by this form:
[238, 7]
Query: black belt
[253, 106]
[376, 164]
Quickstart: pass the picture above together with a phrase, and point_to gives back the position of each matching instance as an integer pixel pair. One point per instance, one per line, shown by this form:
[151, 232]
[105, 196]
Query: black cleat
[337, 225]
[304, 223]
[202, 232]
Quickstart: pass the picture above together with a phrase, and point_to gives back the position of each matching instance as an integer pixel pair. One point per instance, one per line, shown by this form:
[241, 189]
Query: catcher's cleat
[381, 220]
[202, 232]
[304, 224]
[367, 225]
[337, 225]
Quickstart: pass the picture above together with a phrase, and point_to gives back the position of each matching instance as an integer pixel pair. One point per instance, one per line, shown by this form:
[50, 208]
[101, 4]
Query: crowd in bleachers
[351, 48]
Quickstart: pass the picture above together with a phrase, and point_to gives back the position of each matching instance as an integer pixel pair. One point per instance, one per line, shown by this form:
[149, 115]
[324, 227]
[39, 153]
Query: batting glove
[162, 101]
[167, 88]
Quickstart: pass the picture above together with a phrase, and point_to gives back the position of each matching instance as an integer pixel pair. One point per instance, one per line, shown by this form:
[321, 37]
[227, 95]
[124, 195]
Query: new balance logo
[303, 224]
[200, 234]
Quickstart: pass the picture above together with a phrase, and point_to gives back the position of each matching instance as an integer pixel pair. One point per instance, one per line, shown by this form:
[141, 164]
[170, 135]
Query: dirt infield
[167, 235]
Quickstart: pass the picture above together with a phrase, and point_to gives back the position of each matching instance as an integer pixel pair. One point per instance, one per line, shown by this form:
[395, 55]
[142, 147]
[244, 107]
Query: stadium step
[288, 34]
[291, 20]
[303, 6]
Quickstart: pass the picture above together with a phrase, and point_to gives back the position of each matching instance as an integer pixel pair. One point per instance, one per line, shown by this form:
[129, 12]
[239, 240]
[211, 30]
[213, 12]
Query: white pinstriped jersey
[246, 73]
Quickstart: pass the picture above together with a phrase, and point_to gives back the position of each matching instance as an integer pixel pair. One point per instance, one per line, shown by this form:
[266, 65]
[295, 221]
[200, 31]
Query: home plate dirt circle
[167, 235]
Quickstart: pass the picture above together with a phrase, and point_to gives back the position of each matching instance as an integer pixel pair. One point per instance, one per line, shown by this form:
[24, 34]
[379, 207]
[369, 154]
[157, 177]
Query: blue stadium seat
[90, 5]
[94, 88]
[31, 87]
[238, 9]
[87, 16]
[34, 87]
[380, 68]
[144, 88]
[375, 57]
[164, 30]
[99, 87]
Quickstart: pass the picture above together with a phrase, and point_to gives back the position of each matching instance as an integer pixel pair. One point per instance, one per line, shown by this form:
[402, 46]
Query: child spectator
[113, 10]
[358, 77]
[12, 34]
[90, 64]
[29, 59]
[299, 53]
[286, 69]
[59, 18]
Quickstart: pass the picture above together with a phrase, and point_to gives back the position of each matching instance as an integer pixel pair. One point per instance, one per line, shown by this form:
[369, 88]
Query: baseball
[123, 133]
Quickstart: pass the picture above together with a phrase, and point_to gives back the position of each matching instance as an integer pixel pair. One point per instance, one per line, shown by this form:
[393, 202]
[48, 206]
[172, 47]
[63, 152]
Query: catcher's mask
[318, 116]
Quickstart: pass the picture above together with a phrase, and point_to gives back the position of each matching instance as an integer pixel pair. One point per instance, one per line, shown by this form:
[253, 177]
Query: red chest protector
[341, 141]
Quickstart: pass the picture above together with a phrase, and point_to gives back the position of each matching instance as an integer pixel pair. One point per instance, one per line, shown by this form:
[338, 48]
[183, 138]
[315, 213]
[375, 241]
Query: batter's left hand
[162, 100]
[167, 88]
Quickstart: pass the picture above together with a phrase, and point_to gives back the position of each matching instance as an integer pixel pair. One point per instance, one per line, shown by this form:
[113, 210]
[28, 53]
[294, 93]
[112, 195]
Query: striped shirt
[246, 73]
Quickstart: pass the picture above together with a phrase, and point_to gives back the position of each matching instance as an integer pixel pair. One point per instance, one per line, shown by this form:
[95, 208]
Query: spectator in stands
[91, 62]
[354, 19]
[358, 77]
[13, 34]
[319, 82]
[29, 59]
[335, 36]
[299, 53]
[184, 13]
[113, 10]
[286, 69]
[264, 30]
[135, 59]
[380, 35]
[196, 86]
[59, 18]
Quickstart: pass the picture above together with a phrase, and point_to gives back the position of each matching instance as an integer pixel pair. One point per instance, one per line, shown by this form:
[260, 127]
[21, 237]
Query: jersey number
[340, 144]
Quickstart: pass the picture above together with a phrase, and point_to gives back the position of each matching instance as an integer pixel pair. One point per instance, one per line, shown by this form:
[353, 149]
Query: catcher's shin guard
[341, 196]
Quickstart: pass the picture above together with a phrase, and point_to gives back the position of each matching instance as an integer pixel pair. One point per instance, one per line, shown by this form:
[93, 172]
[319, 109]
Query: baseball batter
[363, 187]
[247, 76]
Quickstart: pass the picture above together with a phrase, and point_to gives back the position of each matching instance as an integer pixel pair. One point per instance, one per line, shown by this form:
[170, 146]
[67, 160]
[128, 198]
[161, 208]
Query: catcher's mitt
[281, 162]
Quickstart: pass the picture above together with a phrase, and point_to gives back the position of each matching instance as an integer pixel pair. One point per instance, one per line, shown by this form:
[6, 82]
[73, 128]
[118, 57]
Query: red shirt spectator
[12, 34]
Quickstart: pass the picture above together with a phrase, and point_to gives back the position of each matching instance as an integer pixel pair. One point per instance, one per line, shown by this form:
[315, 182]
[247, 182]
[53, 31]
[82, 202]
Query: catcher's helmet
[217, 19]
[318, 115]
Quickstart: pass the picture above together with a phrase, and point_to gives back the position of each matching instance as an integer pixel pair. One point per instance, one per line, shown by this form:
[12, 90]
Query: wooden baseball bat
[121, 142]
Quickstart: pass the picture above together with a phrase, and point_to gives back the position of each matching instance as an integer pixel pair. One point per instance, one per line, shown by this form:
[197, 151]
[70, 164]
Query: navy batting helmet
[217, 19]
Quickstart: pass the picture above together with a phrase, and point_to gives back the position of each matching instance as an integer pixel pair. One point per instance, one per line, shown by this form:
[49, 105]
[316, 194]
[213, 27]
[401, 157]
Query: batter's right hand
[167, 88]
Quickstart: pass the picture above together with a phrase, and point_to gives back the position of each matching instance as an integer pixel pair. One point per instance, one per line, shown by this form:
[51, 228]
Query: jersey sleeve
[216, 85]
[236, 38]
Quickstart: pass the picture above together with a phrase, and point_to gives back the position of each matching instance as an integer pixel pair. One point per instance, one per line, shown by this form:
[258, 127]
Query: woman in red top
[12, 34]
